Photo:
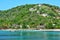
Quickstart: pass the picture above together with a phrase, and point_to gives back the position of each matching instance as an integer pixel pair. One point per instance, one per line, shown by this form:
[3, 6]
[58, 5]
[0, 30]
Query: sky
[7, 4]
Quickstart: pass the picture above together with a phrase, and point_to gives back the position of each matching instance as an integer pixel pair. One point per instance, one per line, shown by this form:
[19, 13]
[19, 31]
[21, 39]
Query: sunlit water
[29, 35]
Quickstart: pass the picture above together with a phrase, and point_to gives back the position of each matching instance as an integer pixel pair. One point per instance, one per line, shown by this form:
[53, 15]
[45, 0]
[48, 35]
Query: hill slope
[31, 16]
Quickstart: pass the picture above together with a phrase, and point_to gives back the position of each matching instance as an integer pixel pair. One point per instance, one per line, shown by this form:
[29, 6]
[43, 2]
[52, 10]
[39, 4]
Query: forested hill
[31, 16]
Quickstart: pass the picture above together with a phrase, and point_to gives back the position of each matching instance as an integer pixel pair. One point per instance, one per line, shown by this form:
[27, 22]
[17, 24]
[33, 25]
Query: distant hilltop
[38, 16]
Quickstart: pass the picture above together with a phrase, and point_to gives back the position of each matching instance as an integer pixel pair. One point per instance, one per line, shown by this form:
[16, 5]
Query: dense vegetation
[31, 16]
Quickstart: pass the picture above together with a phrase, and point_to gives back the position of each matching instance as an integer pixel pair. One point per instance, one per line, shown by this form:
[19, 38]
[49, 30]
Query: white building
[32, 9]
[39, 5]
[44, 15]
[21, 26]
[28, 26]
[38, 11]
[53, 24]
[40, 27]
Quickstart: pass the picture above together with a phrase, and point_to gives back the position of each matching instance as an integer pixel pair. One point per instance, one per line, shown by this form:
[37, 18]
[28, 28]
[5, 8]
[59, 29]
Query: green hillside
[31, 16]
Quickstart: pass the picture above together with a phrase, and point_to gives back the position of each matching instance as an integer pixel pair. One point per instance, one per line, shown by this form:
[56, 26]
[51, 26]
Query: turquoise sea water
[29, 35]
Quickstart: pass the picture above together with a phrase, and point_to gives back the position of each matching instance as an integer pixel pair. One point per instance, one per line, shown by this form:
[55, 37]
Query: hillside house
[41, 26]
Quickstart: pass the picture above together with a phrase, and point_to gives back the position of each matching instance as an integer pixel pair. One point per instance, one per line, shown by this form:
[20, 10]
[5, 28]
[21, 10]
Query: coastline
[29, 30]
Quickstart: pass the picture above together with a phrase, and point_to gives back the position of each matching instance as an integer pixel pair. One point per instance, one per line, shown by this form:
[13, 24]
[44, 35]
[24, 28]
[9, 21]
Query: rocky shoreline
[30, 30]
